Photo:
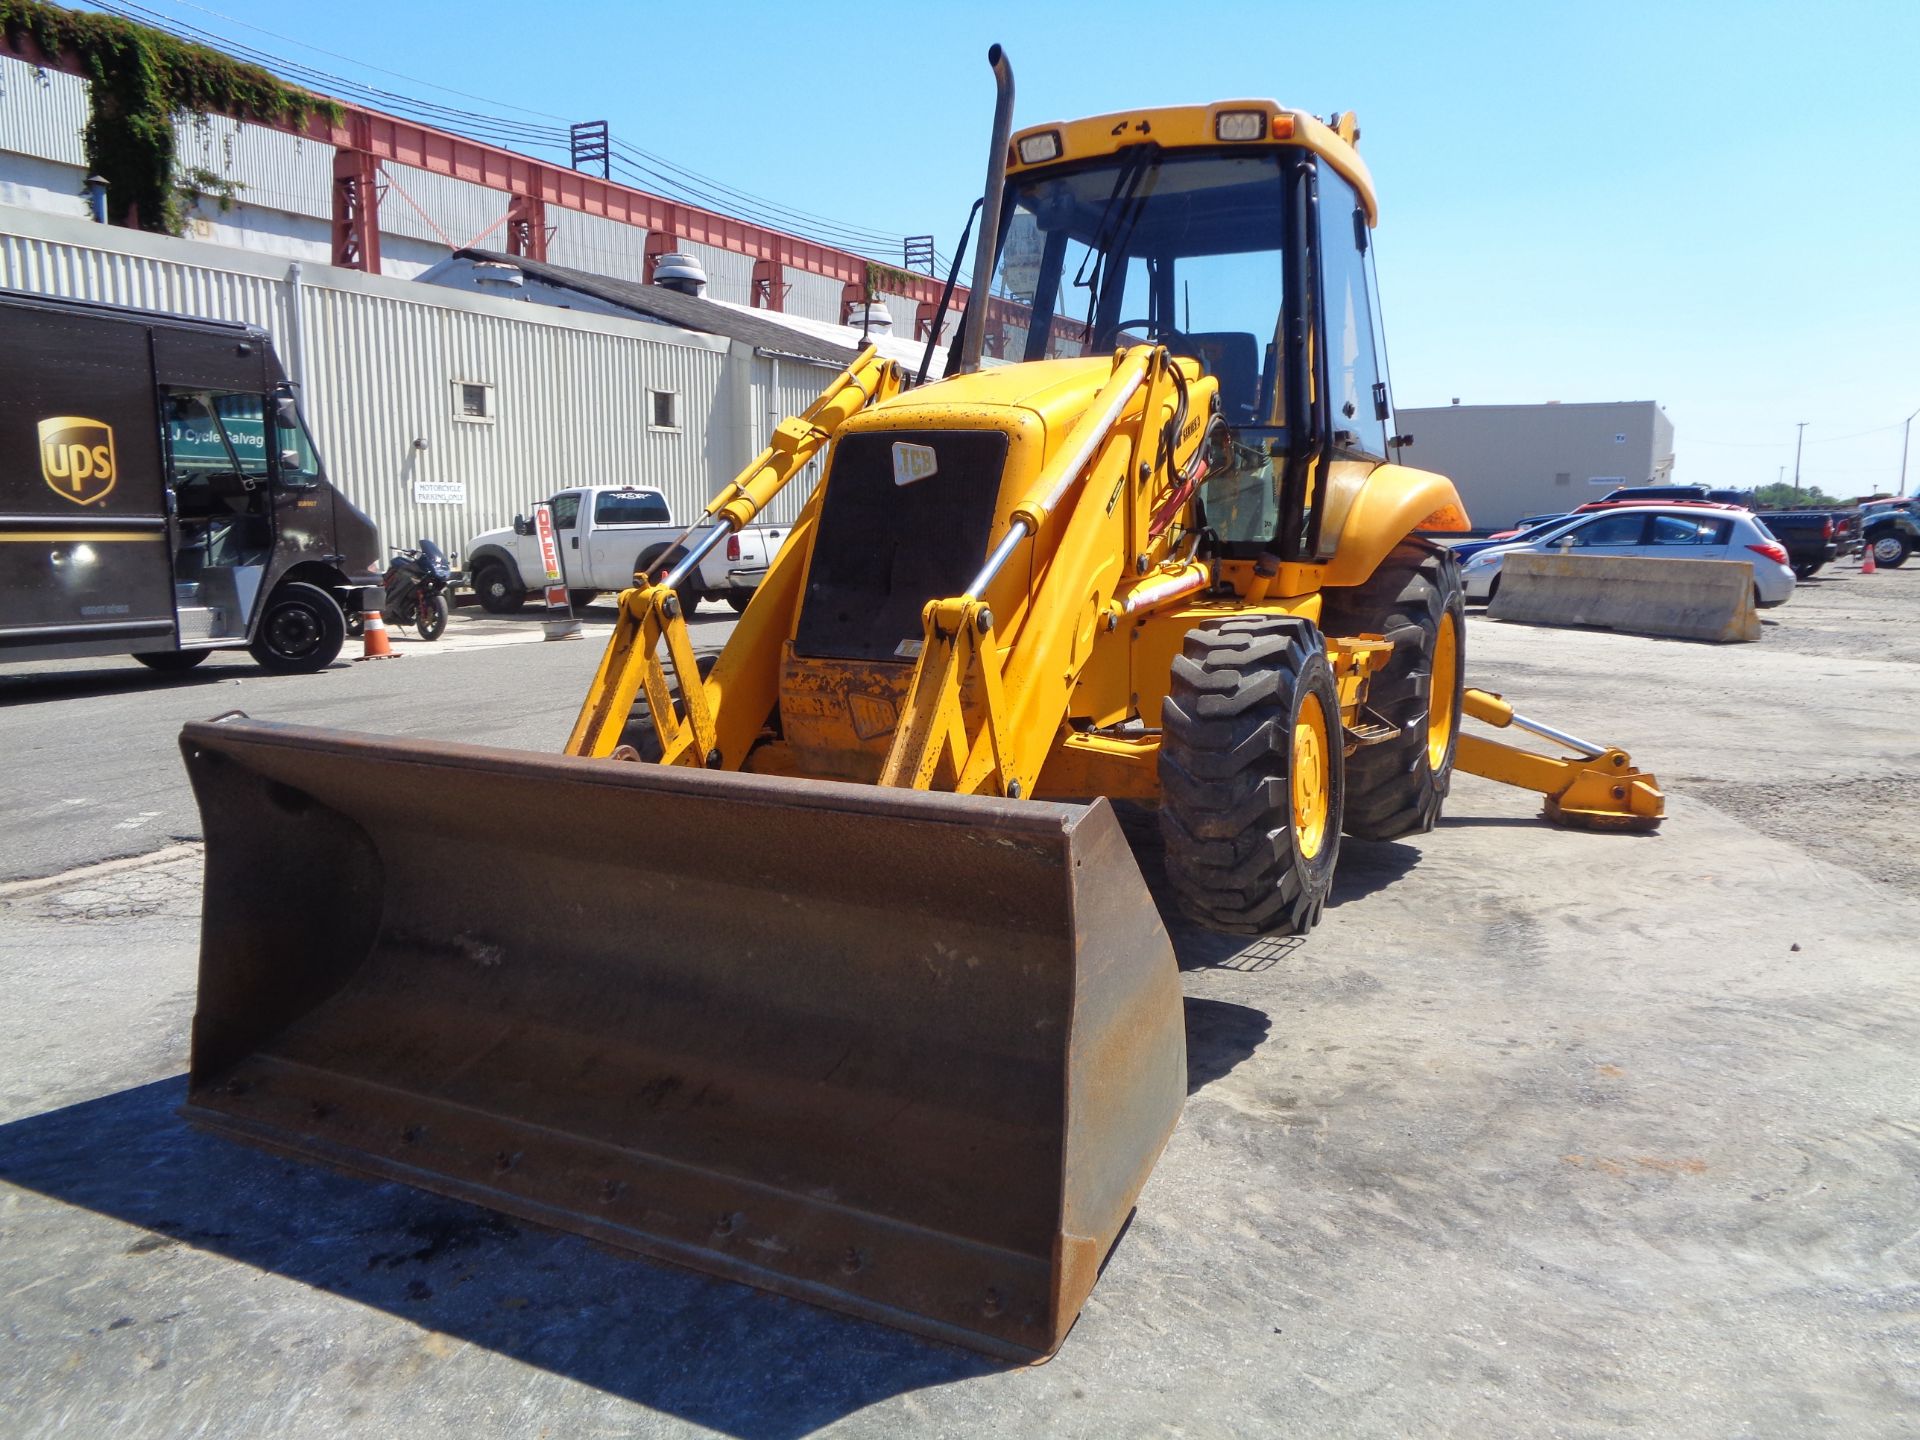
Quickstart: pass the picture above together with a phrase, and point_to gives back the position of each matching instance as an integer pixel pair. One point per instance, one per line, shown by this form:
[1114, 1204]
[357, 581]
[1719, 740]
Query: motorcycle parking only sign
[439, 492]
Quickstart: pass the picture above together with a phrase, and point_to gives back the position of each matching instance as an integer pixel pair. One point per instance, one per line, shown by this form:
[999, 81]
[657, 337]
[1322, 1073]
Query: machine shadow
[1220, 1035]
[1366, 867]
[737, 1360]
[128, 679]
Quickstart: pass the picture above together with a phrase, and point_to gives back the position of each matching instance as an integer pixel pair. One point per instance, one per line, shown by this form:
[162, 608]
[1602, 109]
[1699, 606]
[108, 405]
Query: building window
[1562, 477]
[663, 409]
[473, 402]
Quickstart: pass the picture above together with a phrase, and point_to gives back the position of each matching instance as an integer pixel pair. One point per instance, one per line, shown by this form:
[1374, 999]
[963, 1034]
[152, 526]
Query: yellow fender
[1372, 511]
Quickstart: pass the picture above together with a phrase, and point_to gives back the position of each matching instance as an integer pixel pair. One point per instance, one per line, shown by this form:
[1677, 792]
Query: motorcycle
[416, 591]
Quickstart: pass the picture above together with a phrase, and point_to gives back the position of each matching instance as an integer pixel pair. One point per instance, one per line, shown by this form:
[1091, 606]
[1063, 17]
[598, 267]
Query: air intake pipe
[973, 337]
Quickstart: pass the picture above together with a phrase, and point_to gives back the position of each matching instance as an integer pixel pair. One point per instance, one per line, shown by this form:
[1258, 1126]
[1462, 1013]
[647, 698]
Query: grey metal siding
[42, 112]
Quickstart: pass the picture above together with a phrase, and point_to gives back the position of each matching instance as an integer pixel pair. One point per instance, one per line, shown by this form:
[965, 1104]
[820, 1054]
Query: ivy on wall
[144, 80]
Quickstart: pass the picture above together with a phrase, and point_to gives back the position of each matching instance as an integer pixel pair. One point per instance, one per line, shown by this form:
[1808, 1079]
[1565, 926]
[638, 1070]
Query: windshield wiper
[1116, 218]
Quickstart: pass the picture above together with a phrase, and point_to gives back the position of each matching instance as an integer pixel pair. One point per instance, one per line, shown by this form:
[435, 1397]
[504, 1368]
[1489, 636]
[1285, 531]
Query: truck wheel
[172, 662]
[495, 585]
[431, 620]
[1251, 775]
[639, 731]
[301, 630]
[1891, 550]
[738, 601]
[1806, 571]
[581, 599]
[1397, 787]
[655, 564]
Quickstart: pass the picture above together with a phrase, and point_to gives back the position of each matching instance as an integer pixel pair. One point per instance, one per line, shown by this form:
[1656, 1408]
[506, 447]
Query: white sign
[913, 462]
[439, 492]
[1606, 479]
[1620, 439]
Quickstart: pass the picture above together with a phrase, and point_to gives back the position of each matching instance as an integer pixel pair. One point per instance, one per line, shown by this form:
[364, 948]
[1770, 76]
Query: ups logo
[76, 458]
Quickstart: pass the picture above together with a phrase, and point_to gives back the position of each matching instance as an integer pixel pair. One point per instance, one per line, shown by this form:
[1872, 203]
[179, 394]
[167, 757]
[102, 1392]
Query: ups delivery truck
[160, 496]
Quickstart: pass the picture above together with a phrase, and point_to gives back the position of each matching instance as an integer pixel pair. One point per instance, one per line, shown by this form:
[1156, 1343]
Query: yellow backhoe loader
[856, 992]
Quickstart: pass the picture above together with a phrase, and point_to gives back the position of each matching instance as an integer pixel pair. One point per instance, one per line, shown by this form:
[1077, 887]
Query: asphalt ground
[1539, 1132]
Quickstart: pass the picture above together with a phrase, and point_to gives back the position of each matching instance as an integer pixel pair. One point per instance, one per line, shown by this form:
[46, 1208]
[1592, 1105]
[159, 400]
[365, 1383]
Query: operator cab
[1209, 250]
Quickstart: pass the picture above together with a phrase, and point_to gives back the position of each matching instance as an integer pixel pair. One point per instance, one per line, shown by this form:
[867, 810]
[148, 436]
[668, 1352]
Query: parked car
[1892, 529]
[1642, 494]
[161, 496]
[1666, 531]
[1812, 537]
[1526, 529]
[607, 534]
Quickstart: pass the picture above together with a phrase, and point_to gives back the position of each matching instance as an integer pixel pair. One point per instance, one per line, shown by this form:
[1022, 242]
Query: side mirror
[522, 525]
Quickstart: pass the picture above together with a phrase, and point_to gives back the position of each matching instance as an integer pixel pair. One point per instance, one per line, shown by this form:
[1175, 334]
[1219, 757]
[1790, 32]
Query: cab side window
[566, 510]
[1685, 530]
[1353, 367]
[1608, 530]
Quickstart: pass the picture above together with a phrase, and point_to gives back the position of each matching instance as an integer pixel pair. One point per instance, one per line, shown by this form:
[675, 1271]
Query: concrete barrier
[1686, 599]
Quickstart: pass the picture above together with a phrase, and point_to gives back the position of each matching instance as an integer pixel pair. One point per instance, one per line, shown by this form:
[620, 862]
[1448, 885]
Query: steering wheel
[1155, 330]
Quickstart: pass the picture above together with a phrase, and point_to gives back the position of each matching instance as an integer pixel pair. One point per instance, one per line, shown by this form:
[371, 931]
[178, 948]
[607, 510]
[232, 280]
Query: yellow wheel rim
[1311, 755]
[1446, 679]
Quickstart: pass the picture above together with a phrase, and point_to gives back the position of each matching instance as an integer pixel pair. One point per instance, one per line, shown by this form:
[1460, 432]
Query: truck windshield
[1183, 250]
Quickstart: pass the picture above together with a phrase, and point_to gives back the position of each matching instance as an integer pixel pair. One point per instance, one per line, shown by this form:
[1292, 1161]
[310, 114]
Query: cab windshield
[1182, 250]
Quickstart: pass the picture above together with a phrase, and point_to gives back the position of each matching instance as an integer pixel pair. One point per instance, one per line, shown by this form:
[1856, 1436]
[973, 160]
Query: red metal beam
[407, 142]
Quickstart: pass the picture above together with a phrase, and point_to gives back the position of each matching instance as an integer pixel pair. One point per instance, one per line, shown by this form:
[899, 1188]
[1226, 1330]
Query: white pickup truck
[606, 534]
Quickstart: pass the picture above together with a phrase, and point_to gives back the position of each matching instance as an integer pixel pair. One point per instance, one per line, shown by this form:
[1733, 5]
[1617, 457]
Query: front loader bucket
[907, 1055]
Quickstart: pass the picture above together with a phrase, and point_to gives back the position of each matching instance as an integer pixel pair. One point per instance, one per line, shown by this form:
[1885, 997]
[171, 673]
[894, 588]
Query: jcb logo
[76, 458]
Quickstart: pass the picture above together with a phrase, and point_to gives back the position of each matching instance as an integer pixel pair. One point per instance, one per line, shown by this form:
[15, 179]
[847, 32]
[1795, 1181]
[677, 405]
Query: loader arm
[984, 707]
[650, 612]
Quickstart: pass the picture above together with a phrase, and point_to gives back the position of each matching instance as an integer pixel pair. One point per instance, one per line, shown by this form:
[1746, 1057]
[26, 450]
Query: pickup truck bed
[1812, 537]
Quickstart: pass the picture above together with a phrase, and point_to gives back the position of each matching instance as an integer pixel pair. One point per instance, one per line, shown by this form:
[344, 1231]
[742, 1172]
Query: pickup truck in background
[1812, 537]
[1892, 529]
[607, 533]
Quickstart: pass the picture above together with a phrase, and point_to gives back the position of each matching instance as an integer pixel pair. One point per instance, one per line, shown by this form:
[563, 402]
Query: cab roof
[1200, 127]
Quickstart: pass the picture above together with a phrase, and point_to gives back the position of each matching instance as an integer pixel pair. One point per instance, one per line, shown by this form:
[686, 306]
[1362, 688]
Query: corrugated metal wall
[729, 275]
[42, 112]
[275, 170]
[596, 245]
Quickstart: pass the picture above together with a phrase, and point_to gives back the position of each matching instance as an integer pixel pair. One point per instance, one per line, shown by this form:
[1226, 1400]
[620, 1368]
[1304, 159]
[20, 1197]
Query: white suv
[1671, 532]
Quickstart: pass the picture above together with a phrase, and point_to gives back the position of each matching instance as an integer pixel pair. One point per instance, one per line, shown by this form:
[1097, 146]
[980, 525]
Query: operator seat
[1233, 358]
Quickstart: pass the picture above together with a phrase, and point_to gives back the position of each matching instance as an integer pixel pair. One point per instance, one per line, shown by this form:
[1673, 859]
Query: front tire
[1397, 787]
[1891, 550]
[301, 630]
[1251, 775]
[499, 592]
[432, 617]
[172, 662]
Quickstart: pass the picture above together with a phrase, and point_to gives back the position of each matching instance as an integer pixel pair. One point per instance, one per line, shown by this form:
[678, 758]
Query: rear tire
[300, 631]
[1397, 787]
[499, 592]
[1251, 775]
[581, 599]
[173, 662]
[655, 564]
[1807, 572]
[737, 601]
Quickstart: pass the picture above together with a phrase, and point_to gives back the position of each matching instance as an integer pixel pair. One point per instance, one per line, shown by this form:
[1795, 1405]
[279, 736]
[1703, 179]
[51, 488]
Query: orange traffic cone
[374, 644]
[1867, 567]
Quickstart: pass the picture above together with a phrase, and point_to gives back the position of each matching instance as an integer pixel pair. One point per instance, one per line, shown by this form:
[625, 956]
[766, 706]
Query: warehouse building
[1512, 461]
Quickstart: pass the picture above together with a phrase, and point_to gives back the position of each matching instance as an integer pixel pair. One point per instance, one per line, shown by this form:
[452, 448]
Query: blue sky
[1708, 205]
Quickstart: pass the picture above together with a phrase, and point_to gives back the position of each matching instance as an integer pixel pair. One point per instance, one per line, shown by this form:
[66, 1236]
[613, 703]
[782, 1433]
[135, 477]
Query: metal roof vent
[873, 318]
[497, 274]
[680, 272]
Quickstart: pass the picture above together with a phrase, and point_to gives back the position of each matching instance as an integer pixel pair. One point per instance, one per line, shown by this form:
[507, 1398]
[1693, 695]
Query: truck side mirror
[522, 525]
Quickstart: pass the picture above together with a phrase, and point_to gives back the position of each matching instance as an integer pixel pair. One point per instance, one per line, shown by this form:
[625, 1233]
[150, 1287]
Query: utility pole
[1798, 435]
[1906, 434]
